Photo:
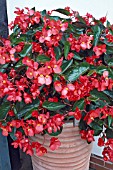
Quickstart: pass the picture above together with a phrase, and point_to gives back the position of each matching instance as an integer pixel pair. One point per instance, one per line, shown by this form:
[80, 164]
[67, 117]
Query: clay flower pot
[73, 154]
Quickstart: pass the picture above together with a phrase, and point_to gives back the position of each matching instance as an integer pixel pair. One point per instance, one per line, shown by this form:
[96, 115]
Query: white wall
[98, 8]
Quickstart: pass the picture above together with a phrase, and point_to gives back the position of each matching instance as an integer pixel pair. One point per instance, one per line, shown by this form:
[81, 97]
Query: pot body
[73, 154]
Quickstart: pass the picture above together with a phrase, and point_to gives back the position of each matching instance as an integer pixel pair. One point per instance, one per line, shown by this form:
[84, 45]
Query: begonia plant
[54, 70]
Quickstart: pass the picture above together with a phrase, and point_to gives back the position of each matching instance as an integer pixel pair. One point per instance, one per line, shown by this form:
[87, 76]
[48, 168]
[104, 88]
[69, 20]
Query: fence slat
[4, 154]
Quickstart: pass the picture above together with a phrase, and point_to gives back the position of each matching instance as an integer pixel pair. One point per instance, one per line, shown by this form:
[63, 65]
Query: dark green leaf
[101, 69]
[93, 98]
[110, 120]
[28, 115]
[26, 50]
[66, 48]
[74, 73]
[110, 70]
[99, 95]
[43, 13]
[4, 108]
[53, 106]
[16, 29]
[62, 11]
[28, 107]
[96, 31]
[77, 56]
[109, 133]
[66, 65]
[108, 60]
[58, 53]
[109, 50]
[108, 93]
[97, 127]
[43, 58]
[54, 17]
[12, 134]
[80, 104]
[108, 43]
[82, 22]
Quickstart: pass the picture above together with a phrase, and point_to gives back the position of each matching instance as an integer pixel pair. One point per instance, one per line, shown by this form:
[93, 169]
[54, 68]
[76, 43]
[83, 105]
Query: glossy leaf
[4, 108]
[80, 104]
[62, 11]
[43, 58]
[27, 48]
[58, 53]
[110, 120]
[53, 106]
[101, 69]
[77, 56]
[66, 65]
[74, 73]
[66, 48]
[28, 107]
[108, 93]
[109, 133]
[99, 95]
[96, 31]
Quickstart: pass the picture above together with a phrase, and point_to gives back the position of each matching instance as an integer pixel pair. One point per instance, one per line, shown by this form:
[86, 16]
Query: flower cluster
[54, 70]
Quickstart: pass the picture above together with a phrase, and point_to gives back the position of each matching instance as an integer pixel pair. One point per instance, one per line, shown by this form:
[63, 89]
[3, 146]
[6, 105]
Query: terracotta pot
[73, 154]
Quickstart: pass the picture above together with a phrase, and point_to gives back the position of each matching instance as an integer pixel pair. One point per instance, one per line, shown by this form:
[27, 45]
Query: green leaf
[90, 72]
[110, 70]
[101, 69]
[4, 108]
[42, 58]
[53, 106]
[109, 133]
[43, 13]
[77, 56]
[110, 120]
[27, 48]
[58, 52]
[97, 127]
[109, 50]
[93, 98]
[99, 95]
[80, 104]
[66, 65]
[12, 134]
[16, 29]
[108, 93]
[55, 133]
[22, 38]
[96, 31]
[74, 73]
[108, 60]
[28, 107]
[28, 115]
[63, 11]
[66, 48]
[56, 18]
[107, 43]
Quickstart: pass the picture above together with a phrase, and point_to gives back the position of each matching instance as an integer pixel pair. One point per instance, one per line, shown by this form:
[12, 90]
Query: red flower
[77, 114]
[100, 142]
[29, 73]
[27, 98]
[54, 144]
[100, 49]
[58, 86]
[41, 151]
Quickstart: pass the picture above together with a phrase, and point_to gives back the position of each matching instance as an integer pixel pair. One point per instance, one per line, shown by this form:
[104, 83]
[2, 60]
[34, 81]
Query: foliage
[54, 70]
